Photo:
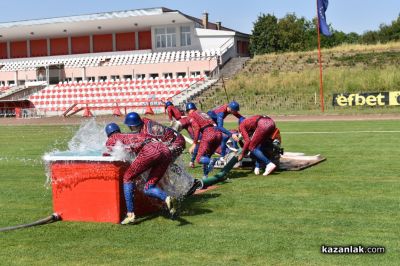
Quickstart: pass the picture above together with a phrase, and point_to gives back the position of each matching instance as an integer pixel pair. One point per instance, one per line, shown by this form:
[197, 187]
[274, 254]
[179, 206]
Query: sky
[344, 15]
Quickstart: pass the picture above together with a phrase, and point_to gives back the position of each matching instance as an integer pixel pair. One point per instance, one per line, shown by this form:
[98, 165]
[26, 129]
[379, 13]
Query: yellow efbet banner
[366, 99]
[394, 98]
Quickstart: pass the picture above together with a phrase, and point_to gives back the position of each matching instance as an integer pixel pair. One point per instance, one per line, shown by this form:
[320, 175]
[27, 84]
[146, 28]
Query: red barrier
[149, 110]
[117, 111]
[87, 112]
[18, 113]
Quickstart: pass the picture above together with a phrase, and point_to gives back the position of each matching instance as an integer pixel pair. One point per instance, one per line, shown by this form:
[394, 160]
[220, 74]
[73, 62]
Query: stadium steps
[233, 66]
[208, 93]
[194, 91]
[16, 93]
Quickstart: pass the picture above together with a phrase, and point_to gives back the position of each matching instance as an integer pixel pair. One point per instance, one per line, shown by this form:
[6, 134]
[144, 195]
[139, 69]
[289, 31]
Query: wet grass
[352, 198]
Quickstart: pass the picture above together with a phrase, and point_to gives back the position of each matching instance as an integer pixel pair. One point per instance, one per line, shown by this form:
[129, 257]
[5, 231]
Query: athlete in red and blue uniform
[218, 115]
[151, 155]
[234, 143]
[150, 128]
[174, 114]
[173, 111]
[185, 124]
[210, 140]
[255, 131]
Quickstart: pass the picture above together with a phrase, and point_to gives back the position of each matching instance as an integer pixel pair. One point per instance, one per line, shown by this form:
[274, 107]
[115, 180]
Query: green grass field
[282, 219]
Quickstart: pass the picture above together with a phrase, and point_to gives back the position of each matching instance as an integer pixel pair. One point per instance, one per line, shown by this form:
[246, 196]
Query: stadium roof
[107, 22]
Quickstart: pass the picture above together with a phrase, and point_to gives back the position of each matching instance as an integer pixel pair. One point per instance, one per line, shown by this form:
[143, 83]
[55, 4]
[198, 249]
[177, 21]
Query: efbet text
[366, 99]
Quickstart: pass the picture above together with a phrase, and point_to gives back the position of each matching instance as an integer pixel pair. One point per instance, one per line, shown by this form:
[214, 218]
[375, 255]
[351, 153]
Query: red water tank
[92, 191]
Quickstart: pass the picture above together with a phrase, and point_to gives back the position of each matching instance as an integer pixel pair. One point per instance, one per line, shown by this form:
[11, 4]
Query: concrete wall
[161, 68]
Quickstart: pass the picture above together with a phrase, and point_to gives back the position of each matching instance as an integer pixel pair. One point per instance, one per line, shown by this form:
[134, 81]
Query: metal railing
[224, 48]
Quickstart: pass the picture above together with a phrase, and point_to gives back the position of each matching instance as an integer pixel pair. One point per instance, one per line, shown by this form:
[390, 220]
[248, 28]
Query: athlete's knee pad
[204, 160]
[155, 192]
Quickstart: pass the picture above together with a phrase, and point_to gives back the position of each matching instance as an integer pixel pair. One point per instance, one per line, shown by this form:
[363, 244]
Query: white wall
[213, 39]
[202, 39]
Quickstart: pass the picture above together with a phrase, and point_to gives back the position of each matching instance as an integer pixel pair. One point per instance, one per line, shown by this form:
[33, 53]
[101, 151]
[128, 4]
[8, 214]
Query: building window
[181, 74]
[167, 75]
[153, 75]
[140, 76]
[186, 36]
[165, 37]
[195, 73]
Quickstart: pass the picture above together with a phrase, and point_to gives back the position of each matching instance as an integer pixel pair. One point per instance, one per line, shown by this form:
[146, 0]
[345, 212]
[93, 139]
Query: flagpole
[321, 85]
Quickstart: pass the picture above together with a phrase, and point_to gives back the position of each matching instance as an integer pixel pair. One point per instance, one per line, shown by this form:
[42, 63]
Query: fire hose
[50, 219]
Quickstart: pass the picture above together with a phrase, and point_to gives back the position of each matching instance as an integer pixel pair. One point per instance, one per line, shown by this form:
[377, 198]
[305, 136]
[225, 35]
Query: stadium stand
[4, 88]
[104, 95]
[170, 56]
[107, 60]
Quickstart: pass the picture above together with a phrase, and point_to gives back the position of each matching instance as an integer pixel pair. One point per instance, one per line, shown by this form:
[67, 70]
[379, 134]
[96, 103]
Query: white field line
[341, 132]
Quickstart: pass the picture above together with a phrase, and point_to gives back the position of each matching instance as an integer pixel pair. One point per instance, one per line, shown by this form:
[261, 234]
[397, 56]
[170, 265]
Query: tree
[386, 33]
[264, 38]
[391, 32]
[352, 38]
[370, 37]
[292, 33]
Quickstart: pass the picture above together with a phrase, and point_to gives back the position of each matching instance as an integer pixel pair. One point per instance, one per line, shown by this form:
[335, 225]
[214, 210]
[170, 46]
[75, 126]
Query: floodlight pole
[321, 85]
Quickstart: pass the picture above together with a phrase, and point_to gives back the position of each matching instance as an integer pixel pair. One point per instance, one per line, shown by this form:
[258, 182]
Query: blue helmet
[112, 128]
[169, 103]
[190, 106]
[133, 120]
[234, 106]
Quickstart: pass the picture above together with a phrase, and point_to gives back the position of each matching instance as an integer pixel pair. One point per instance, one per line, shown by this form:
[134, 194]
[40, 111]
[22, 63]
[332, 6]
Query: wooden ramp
[296, 162]
[289, 161]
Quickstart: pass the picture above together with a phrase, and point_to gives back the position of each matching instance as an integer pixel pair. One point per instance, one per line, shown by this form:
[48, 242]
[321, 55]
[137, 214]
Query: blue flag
[322, 6]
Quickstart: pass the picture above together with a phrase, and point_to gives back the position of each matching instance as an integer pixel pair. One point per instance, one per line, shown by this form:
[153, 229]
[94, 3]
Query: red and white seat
[106, 94]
